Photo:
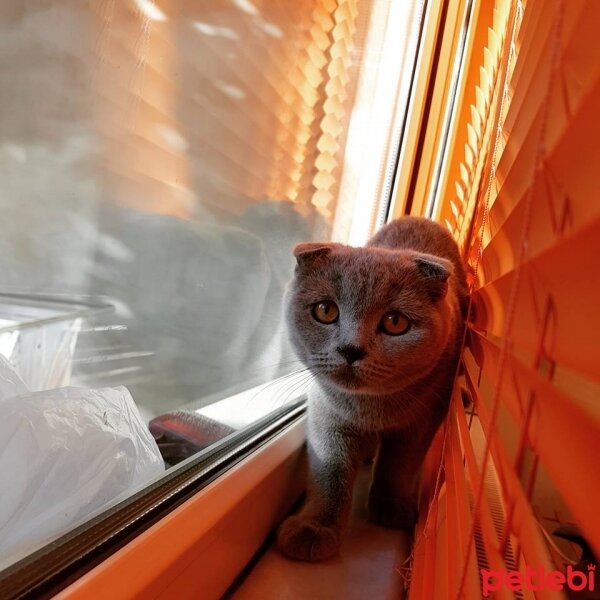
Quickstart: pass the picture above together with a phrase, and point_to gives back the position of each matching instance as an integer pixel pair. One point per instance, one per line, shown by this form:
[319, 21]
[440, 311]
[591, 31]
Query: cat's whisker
[268, 387]
[300, 387]
[377, 371]
[294, 390]
[279, 364]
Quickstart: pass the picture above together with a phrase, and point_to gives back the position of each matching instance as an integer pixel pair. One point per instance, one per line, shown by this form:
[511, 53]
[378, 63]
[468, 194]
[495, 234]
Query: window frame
[445, 43]
[154, 542]
[147, 514]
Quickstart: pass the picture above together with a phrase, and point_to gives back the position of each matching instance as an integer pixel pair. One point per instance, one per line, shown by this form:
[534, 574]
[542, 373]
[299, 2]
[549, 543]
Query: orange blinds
[222, 104]
[525, 212]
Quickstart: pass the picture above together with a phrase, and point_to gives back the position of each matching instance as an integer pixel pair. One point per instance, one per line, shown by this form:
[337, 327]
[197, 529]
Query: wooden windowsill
[369, 565]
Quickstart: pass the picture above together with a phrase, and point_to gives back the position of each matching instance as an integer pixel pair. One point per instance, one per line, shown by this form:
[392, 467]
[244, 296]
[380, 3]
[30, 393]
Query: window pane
[159, 161]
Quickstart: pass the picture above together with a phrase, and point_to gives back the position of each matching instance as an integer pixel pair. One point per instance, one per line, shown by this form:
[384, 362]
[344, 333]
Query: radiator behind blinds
[521, 200]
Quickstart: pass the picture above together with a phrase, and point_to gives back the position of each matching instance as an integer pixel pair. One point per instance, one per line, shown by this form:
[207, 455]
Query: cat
[380, 328]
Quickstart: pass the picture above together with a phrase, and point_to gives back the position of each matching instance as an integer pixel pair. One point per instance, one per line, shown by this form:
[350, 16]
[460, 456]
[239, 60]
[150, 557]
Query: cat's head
[368, 320]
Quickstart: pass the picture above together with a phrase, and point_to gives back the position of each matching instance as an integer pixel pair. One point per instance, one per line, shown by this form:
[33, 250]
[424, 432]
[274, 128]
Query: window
[159, 162]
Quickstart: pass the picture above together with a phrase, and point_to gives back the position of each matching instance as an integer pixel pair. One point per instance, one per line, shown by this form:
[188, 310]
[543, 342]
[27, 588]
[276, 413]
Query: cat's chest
[366, 413]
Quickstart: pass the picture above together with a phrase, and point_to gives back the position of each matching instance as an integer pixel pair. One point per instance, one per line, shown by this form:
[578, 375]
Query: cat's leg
[393, 493]
[315, 533]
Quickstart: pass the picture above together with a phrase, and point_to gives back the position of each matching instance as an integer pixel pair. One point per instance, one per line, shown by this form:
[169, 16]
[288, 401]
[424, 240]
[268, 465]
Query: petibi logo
[538, 579]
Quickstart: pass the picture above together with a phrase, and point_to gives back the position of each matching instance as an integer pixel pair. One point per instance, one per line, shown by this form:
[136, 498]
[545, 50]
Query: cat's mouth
[347, 376]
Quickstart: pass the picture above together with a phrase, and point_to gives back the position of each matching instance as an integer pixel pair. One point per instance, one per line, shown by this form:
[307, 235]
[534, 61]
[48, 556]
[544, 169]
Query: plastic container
[38, 334]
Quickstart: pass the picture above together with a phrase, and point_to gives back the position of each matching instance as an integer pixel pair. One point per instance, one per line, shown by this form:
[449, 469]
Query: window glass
[158, 162]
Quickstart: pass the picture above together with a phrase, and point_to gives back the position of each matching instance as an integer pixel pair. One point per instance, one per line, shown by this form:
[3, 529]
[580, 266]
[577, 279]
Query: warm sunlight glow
[150, 10]
[378, 96]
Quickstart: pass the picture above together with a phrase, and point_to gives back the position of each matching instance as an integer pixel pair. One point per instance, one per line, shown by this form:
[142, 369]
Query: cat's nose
[351, 353]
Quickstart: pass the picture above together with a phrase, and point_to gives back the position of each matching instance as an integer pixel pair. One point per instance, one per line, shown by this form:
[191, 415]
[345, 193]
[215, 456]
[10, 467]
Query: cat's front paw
[394, 513]
[306, 539]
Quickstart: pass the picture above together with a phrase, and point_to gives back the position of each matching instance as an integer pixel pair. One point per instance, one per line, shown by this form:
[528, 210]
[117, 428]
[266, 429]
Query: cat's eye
[394, 323]
[325, 312]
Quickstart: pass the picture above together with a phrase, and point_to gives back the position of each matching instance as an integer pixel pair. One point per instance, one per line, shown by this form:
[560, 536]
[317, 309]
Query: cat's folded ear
[436, 271]
[310, 254]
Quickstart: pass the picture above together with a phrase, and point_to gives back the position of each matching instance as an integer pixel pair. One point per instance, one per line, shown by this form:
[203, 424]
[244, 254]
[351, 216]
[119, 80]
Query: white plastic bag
[10, 382]
[65, 455]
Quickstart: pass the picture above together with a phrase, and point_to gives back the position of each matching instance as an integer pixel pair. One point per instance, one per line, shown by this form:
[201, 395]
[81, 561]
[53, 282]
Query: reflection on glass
[164, 158]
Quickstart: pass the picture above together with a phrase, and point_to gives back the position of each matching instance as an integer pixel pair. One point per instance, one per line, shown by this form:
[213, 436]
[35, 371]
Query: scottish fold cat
[380, 329]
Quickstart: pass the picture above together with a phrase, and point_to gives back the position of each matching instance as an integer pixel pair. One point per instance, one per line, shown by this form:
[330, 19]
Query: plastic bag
[65, 455]
[11, 383]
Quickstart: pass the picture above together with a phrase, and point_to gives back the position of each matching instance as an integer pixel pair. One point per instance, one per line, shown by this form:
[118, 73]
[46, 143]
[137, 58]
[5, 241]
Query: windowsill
[369, 565]
[202, 545]
[198, 549]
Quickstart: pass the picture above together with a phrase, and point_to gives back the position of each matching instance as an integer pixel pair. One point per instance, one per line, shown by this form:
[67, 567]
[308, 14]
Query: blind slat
[556, 417]
[572, 340]
[489, 535]
[460, 517]
[524, 523]
[563, 186]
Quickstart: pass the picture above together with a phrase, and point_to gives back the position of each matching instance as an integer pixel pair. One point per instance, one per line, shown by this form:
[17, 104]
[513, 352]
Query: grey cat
[380, 328]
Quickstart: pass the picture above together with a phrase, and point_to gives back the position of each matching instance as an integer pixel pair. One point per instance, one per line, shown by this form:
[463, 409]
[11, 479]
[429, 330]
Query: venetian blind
[523, 460]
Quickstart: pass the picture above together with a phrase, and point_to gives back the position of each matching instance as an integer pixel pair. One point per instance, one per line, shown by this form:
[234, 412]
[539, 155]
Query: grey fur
[371, 387]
